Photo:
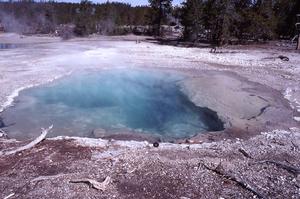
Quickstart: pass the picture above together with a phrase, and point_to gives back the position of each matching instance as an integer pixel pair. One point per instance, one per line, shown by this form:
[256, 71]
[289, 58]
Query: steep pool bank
[246, 107]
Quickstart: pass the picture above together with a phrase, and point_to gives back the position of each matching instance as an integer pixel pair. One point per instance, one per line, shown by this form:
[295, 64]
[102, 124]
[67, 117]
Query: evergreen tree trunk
[160, 15]
[159, 12]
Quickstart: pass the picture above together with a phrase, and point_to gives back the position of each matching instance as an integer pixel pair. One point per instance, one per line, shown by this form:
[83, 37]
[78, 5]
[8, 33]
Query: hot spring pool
[141, 101]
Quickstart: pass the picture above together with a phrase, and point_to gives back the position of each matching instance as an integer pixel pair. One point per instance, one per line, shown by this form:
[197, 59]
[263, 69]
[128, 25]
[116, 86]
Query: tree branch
[235, 179]
[30, 145]
[291, 169]
[93, 183]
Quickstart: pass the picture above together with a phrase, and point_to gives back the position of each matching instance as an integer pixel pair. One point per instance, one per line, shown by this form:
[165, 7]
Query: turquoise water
[4, 46]
[144, 101]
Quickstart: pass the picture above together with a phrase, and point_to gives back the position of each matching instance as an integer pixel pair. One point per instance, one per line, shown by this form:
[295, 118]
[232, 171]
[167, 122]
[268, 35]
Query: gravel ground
[265, 166]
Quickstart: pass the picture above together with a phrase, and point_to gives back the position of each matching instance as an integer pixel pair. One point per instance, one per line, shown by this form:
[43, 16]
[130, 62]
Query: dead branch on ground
[291, 169]
[30, 145]
[242, 151]
[235, 179]
[93, 183]
[42, 178]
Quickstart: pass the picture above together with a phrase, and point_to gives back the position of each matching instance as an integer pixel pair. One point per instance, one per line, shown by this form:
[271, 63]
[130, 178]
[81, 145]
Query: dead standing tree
[298, 31]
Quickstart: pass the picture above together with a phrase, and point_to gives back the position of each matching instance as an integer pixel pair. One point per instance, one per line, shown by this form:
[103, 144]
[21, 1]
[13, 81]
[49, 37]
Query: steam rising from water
[115, 100]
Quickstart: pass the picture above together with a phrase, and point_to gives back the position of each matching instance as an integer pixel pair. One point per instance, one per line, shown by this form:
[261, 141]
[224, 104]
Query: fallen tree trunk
[30, 145]
[236, 179]
[291, 169]
[93, 183]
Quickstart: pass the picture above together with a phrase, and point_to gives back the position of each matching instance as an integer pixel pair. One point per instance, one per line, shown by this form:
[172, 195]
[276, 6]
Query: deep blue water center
[143, 101]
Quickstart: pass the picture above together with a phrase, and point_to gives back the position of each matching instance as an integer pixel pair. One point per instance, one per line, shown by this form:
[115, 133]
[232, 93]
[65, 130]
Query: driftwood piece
[46, 178]
[9, 196]
[282, 57]
[291, 169]
[30, 145]
[234, 178]
[242, 151]
[93, 183]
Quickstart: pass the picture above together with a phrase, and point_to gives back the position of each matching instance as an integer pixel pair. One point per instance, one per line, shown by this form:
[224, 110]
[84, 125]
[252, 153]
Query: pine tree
[160, 9]
[263, 20]
[220, 16]
[84, 22]
[192, 19]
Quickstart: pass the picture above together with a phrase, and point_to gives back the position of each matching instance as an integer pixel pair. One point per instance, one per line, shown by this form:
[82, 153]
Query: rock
[156, 144]
[283, 58]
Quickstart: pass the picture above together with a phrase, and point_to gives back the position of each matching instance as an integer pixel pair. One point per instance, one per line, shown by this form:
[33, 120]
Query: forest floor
[264, 165]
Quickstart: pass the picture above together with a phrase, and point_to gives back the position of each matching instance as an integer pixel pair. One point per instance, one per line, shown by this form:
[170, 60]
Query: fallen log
[30, 145]
[235, 179]
[9, 196]
[41, 178]
[291, 169]
[242, 151]
[93, 183]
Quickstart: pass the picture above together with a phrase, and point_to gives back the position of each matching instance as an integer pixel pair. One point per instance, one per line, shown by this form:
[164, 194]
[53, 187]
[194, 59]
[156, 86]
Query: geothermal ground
[255, 93]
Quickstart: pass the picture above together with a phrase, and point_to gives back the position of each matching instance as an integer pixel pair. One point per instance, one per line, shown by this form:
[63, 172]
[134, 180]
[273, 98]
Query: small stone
[156, 144]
